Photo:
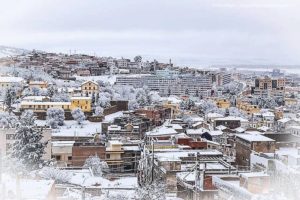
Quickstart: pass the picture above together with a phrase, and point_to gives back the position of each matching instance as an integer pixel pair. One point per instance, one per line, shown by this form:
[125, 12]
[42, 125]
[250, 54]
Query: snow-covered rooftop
[10, 79]
[254, 137]
[284, 120]
[232, 118]
[253, 174]
[196, 131]
[214, 115]
[162, 130]
[62, 143]
[171, 155]
[45, 103]
[81, 98]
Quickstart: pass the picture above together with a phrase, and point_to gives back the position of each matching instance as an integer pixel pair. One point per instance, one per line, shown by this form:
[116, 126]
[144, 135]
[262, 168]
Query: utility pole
[0, 166]
[197, 173]
[152, 172]
[83, 193]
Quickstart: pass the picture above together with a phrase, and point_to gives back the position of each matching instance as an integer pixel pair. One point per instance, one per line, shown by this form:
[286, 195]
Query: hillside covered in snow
[11, 51]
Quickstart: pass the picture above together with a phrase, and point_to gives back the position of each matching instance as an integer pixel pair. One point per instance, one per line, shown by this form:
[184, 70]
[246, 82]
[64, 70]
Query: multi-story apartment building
[181, 85]
[223, 78]
[122, 63]
[268, 87]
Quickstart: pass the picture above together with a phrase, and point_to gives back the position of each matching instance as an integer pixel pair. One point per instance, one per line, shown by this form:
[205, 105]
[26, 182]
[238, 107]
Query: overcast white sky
[193, 32]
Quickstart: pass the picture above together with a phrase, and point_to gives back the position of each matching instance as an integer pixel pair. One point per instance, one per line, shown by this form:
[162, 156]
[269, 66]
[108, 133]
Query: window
[57, 158]
[8, 146]
[69, 157]
[9, 136]
[108, 156]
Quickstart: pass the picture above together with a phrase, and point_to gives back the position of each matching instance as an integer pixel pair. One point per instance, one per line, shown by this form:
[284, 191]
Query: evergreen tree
[169, 92]
[197, 93]
[28, 148]
[9, 98]
[50, 91]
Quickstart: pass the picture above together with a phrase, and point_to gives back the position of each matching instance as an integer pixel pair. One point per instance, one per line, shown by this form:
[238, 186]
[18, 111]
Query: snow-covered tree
[58, 175]
[132, 105]
[154, 191]
[209, 106]
[98, 111]
[104, 99]
[78, 115]
[96, 165]
[154, 97]
[36, 91]
[188, 104]
[142, 98]
[51, 90]
[264, 102]
[28, 148]
[60, 97]
[233, 111]
[10, 96]
[55, 117]
[138, 59]
[8, 120]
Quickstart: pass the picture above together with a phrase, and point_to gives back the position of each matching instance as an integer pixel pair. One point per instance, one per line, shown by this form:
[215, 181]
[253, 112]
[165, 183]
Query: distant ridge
[6, 51]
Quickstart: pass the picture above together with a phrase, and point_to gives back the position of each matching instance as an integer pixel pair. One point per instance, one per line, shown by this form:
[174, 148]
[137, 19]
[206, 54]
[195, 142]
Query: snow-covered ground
[85, 178]
[111, 117]
[71, 128]
[87, 128]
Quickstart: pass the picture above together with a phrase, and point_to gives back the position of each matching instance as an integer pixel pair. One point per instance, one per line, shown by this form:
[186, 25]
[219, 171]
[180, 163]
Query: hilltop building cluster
[198, 134]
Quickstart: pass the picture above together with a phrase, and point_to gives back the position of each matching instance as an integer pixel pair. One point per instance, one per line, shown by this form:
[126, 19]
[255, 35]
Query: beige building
[43, 106]
[62, 152]
[7, 140]
[268, 87]
[114, 151]
[89, 87]
[8, 81]
[38, 84]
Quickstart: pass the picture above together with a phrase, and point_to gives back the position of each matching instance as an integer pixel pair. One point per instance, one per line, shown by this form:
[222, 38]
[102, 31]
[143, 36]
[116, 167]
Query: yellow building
[290, 101]
[38, 84]
[248, 108]
[89, 87]
[84, 103]
[175, 110]
[223, 103]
